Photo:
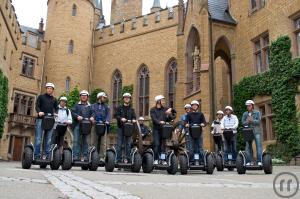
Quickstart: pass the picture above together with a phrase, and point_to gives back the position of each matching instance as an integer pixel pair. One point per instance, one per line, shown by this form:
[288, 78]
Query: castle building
[193, 51]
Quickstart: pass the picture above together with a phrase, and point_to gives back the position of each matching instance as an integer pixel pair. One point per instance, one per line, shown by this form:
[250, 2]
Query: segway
[169, 156]
[144, 146]
[135, 162]
[66, 159]
[93, 159]
[241, 166]
[208, 161]
[28, 158]
[100, 130]
[220, 159]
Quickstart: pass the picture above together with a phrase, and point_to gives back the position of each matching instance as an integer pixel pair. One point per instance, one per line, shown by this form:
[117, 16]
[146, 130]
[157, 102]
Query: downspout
[211, 72]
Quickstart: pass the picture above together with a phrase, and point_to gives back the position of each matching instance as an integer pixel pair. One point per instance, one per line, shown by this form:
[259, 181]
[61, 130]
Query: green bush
[126, 89]
[73, 97]
[281, 83]
[3, 101]
[93, 98]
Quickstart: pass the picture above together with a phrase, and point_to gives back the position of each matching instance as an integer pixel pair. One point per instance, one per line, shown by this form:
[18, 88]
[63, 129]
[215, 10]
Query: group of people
[160, 114]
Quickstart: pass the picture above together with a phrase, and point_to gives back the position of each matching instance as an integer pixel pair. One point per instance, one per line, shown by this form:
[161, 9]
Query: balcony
[25, 121]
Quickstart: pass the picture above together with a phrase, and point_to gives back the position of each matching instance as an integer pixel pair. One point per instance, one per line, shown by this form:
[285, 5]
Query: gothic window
[171, 81]
[117, 89]
[28, 65]
[143, 91]
[71, 47]
[74, 10]
[68, 82]
[23, 104]
[261, 53]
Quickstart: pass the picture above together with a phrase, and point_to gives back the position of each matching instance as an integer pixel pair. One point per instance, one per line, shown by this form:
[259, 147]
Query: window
[297, 33]
[71, 47]
[267, 121]
[262, 53]
[117, 89]
[28, 65]
[32, 40]
[23, 104]
[143, 94]
[68, 82]
[171, 81]
[257, 4]
[74, 10]
[5, 48]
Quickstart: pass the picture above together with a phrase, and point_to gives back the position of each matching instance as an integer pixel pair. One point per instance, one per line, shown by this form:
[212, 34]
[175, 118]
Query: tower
[69, 37]
[156, 6]
[125, 9]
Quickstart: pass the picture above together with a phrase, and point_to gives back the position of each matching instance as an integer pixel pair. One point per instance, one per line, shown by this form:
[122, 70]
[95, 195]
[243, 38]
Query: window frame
[297, 34]
[268, 131]
[71, 47]
[18, 104]
[143, 94]
[33, 67]
[263, 51]
[74, 10]
[174, 72]
[117, 83]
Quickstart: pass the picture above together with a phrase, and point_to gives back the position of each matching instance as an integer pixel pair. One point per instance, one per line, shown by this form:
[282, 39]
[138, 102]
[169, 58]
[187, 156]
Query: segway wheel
[110, 161]
[43, 166]
[85, 167]
[147, 163]
[240, 164]
[267, 164]
[137, 163]
[219, 162]
[94, 161]
[27, 158]
[173, 167]
[55, 163]
[183, 162]
[210, 166]
[66, 160]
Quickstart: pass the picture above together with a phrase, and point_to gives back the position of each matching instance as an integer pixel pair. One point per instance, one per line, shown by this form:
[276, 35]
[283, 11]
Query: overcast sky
[29, 12]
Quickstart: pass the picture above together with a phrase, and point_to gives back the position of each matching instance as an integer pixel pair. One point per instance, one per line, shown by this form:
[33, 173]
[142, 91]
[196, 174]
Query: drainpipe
[211, 72]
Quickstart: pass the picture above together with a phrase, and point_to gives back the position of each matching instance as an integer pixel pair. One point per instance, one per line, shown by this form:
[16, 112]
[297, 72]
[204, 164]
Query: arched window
[74, 10]
[143, 88]
[68, 82]
[171, 81]
[117, 89]
[71, 47]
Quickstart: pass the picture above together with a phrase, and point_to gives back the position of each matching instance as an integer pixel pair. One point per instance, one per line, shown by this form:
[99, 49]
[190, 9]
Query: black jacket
[195, 118]
[126, 112]
[83, 110]
[159, 114]
[46, 103]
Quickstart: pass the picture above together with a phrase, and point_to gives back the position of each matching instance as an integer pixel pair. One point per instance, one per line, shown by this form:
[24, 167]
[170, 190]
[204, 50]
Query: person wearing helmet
[144, 129]
[124, 112]
[80, 111]
[196, 117]
[252, 119]
[159, 115]
[187, 109]
[45, 104]
[216, 130]
[102, 114]
[230, 122]
[64, 116]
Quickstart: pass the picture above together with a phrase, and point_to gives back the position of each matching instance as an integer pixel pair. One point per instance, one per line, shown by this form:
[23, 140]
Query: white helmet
[187, 106]
[126, 95]
[220, 112]
[159, 97]
[63, 98]
[249, 102]
[229, 107]
[101, 94]
[84, 92]
[195, 102]
[49, 84]
[141, 118]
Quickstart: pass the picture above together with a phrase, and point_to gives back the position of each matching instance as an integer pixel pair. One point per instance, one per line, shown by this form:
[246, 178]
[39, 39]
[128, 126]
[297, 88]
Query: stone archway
[222, 74]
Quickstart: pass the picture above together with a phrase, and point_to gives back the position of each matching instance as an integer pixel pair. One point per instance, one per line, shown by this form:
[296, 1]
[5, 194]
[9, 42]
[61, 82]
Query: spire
[100, 5]
[156, 6]
[97, 4]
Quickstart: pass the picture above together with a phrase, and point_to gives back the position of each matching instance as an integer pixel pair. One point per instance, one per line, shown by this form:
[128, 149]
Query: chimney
[41, 26]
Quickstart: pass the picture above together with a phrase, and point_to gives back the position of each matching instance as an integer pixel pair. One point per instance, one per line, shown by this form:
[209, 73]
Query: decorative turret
[156, 6]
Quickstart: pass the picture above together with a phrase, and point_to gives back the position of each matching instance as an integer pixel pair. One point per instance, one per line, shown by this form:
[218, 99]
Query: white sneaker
[155, 162]
[164, 163]
[259, 164]
[248, 164]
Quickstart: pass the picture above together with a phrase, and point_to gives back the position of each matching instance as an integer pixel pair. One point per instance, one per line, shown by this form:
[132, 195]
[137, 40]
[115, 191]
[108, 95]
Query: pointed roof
[156, 4]
[219, 11]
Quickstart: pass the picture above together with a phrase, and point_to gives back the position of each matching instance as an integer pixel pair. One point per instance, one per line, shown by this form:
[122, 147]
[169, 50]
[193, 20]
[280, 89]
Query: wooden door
[17, 152]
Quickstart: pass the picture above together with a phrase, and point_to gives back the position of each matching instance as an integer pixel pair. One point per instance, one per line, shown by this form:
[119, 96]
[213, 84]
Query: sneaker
[155, 162]
[259, 164]
[164, 163]
[248, 164]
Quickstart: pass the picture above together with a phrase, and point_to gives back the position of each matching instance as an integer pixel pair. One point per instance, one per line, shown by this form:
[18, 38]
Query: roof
[25, 29]
[219, 11]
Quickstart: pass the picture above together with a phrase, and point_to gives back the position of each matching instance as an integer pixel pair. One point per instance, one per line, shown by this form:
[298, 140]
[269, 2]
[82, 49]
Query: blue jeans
[196, 147]
[158, 145]
[38, 139]
[80, 143]
[120, 140]
[188, 140]
[230, 148]
[249, 151]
